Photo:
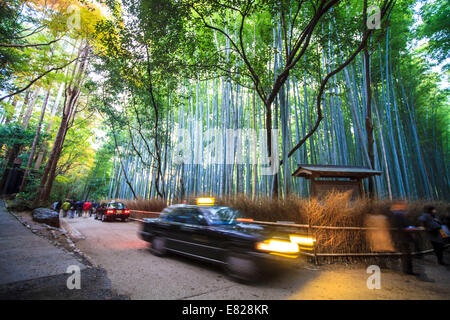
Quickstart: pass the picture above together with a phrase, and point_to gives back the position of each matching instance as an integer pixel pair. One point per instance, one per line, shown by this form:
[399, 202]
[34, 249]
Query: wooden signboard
[320, 188]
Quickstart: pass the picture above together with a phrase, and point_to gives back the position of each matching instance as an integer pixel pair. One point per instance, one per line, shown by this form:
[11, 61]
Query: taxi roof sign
[205, 201]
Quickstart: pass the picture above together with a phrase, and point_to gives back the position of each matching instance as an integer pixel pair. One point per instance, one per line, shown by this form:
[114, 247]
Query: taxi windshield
[223, 215]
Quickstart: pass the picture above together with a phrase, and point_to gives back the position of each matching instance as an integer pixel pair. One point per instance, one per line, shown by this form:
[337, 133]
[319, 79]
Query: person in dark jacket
[58, 206]
[95, 207]
[446, 227]
[402, 236]
[92, 210]
[433, 226]
[79, 207]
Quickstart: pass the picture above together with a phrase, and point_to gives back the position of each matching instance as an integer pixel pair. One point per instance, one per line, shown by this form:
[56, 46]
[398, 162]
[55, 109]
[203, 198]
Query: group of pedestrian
[437, 232]
[74, 208]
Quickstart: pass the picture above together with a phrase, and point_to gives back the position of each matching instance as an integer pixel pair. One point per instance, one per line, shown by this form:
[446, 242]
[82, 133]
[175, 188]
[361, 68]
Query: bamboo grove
[339, 140]
[207, 97]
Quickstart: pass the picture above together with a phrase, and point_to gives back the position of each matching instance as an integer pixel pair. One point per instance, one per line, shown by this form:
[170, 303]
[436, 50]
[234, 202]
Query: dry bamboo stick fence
[310, 229]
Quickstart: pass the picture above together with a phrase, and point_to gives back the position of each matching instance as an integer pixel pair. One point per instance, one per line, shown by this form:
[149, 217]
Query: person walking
[403, 235]
[58, 206]
[72, 210]
[91, 212]
[95, 207]
[433, 227]
[54, 204]
[446, 229]
[65, 207]
[79, 207]
[87, 208]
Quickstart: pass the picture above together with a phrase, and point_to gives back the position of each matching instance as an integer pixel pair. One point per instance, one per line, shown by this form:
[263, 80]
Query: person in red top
[86, 208]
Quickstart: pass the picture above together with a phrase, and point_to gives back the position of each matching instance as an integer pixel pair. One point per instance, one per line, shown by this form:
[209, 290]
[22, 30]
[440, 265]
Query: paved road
[135, 272]
[25, 256]
[32, 268]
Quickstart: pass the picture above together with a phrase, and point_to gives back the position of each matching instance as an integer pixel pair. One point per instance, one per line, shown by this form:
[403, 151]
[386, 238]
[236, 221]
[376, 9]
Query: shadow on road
[294, 275]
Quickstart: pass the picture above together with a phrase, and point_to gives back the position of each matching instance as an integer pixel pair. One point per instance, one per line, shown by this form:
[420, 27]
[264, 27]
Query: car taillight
[110, 211]
[126, 211]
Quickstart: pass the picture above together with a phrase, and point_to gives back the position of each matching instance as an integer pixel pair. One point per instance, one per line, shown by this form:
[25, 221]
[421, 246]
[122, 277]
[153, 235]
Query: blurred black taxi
[112, 211]
[220, 235]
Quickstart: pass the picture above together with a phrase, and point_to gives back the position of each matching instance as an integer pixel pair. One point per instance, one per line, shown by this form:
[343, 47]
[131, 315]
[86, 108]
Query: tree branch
[386, 5]
[6, 45]
[37, 79]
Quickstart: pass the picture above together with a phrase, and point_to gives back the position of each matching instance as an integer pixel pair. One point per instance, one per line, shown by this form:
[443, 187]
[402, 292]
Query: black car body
[218, 234]
[112, 211]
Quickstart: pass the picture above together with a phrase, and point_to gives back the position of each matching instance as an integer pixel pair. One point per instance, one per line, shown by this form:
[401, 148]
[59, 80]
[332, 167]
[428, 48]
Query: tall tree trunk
[72, 94]
[29, 113]
[35, 142]
[157, 151]
[14, 152]
[369, 121]
[54, 154]
[25, 104]
[43, 148]
[269, 149]
[124, 170]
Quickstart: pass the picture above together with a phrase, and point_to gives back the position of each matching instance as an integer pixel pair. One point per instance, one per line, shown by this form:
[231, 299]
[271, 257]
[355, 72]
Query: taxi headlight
[302, 240]
[274, 245]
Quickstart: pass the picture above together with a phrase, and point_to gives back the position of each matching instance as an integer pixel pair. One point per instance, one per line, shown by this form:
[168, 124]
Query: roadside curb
[72, 231]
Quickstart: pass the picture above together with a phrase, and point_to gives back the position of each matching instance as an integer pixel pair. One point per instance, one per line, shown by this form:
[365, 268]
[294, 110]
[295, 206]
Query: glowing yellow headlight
[278, 246]
[205, 201]
[302, 240]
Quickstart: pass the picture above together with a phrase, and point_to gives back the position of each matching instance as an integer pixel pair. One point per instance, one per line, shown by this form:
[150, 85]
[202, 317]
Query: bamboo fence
[310, 229]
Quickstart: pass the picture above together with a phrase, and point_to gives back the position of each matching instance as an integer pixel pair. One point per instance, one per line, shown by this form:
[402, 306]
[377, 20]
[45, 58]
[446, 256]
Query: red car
[112, 211]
